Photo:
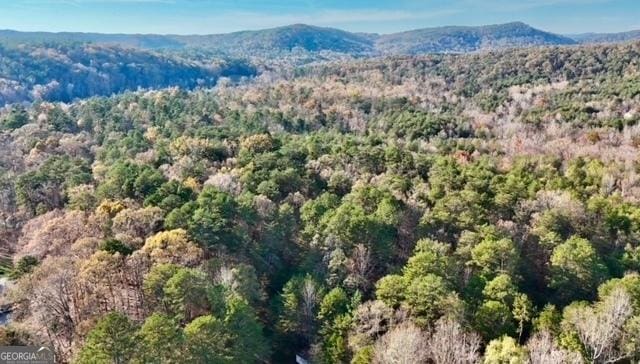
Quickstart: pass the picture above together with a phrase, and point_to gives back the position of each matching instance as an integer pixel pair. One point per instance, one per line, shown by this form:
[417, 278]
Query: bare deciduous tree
[133, 226]
[543, 350]
[51, 299]
[54, 233]
[371, 320]
[404, 344]
[450, 344]
[600, 328]
[360, 267]
[310, 298]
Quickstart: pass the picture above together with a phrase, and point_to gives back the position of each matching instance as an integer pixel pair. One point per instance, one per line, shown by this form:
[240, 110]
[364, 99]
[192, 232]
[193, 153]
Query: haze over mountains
[450, 39]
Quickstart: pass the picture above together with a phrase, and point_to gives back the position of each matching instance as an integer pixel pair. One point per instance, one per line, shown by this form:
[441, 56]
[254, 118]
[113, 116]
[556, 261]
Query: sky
[376, 16]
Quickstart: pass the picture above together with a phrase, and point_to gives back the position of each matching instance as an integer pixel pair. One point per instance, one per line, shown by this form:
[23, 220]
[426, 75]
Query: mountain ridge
[585, 38]
[464, 39]
[311, 38]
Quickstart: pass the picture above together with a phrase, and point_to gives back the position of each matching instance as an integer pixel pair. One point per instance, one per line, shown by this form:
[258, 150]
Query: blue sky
[382, 16]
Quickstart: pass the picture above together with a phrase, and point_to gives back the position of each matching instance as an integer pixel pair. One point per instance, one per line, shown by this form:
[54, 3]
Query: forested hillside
[41, 66]
[467, 39]
[64, 72]
[278, 42]
[607, 37]
[432, 209]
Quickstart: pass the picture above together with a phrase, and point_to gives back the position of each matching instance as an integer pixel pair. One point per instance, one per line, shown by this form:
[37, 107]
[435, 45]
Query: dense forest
[68, 71]
[274, 43]
[429, 209]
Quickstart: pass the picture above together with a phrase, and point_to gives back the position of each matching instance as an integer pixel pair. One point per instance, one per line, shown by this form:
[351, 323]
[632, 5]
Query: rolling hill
[66, 66]
[287, 38]
[607, 37]
[276, 41]
[143, 41]
[67, 72]
[458, 39]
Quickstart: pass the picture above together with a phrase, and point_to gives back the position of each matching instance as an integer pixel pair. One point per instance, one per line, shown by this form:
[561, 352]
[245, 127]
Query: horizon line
[309, 25]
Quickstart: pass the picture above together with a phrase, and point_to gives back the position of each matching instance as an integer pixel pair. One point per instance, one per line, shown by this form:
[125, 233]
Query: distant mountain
[144, 41]
[458, 39]
[284, 40]
[606, 37]
[277, 41]
[281, 39]
[287, 38]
